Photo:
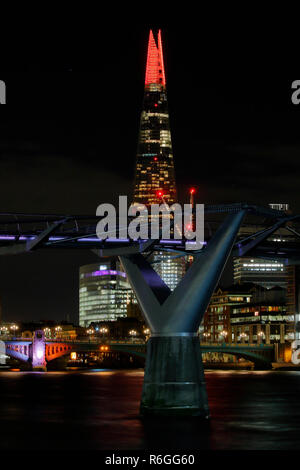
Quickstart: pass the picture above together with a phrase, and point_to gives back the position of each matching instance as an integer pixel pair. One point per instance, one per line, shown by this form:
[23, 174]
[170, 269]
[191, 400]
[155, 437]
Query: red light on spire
[155, 72]
[159, 193]
[192, 191]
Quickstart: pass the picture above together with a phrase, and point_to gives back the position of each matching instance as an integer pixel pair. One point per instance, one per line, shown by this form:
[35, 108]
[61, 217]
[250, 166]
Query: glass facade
[266, 273]
[170, 268]
[104, 289]
[154, 165]
[104, 292]
[155, 176]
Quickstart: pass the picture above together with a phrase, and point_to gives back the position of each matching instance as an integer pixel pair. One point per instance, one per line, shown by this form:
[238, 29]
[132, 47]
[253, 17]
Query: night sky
[68, 135]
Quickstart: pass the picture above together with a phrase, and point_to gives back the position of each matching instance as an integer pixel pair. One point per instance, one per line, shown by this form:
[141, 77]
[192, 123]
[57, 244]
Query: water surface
[99, 409]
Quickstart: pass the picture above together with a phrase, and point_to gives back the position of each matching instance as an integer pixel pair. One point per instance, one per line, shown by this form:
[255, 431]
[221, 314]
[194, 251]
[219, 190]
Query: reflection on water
[99, 409]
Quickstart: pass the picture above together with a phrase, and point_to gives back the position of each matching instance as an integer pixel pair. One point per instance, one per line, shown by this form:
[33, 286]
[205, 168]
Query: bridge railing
[14, 338]
[239, 345]
[136, 341]
[97, 341]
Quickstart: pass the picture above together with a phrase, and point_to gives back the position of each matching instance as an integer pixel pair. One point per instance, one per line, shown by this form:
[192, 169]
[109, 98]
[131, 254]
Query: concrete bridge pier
[38, 352]
[174, 381]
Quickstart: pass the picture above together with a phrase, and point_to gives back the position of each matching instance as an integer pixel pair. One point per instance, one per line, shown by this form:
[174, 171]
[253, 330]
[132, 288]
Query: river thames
[99, 409]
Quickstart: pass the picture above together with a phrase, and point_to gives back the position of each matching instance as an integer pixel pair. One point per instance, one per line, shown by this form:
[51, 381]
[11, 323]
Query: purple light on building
[88, 239]
[105, 272]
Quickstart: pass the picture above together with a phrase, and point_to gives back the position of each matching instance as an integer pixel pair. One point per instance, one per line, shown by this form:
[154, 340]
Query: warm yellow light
[73, 356]
[133, 332]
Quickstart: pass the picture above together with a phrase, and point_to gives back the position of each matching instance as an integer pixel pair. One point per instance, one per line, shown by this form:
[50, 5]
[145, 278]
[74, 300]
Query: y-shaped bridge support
[174, 378]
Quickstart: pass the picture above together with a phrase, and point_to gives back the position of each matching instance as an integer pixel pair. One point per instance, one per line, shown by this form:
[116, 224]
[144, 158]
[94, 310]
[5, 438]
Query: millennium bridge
[174, 380]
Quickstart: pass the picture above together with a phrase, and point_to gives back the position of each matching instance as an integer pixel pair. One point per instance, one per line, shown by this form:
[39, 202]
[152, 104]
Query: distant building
[134, 311]
[248, 313]
[65, 332]
[155, 176]
[154, 164]
[216, 325]
[280, 206]
[293, 296]
[104, 292]
[265, 318]
[264, 272]
[170, 267]
[122, 328]
[267, 273]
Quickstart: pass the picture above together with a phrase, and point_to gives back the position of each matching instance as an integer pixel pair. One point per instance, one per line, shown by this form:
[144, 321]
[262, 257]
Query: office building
[248, 313]
[264, 272]
[154, 174]
[104, 292]
[170, 267]
[267, 273]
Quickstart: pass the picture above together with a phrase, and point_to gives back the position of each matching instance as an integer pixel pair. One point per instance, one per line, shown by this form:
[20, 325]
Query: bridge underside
[174, 377]
[262, 358]
[174, 380]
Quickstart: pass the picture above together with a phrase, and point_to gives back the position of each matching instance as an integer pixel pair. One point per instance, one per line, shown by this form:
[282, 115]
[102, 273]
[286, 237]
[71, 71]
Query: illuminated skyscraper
[154, 166]
[155, 176]
[104, 292]
[265, 272]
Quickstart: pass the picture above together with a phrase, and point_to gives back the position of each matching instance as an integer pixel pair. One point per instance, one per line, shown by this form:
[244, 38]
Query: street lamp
[47, 332]
[206, 335]
[103, 330]
[147, 333]
[57, 331]
[243, 336]
[224, 333]
[3, 330]
[261, 335]
[132, 333]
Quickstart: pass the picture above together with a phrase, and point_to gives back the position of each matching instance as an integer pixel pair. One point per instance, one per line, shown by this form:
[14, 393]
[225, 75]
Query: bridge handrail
[240, 345]
[131, 341]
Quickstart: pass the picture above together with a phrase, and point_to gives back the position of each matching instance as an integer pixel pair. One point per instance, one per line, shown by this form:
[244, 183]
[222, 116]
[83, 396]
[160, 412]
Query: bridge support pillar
[38, 353]
[174, 382]
[174, 379]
